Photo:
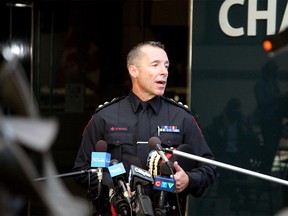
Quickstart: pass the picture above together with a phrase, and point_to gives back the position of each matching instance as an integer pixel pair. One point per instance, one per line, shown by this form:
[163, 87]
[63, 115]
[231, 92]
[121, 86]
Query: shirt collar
[135, 101]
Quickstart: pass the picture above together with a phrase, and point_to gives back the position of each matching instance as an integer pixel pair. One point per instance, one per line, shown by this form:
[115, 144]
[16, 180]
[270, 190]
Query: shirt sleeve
[83, 158]
[202, 174]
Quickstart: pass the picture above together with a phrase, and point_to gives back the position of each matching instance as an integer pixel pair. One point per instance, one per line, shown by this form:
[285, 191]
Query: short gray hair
[134, 53]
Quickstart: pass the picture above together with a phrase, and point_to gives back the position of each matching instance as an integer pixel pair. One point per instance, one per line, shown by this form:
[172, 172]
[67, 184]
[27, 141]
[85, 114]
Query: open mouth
[161, 82]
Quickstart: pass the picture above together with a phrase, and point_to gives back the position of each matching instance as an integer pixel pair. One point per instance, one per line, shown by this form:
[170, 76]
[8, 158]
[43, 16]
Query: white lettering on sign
[253, 16]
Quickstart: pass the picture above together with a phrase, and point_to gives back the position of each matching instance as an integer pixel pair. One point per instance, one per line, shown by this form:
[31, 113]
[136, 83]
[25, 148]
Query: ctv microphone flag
[164, 184]
[100, 159]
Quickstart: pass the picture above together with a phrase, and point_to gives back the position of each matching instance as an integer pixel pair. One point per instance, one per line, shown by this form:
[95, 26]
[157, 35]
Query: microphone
[100, 159]
[138, 178]
[165, 184]
[154, 142]
[119, 176]
[185, 163]
[119, 206]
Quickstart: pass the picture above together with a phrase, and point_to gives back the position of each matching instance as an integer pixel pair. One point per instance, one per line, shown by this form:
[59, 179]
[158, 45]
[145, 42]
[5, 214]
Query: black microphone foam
[153, 141]
[165, 170]
[136, 162]
[101, 146]
[185, 163]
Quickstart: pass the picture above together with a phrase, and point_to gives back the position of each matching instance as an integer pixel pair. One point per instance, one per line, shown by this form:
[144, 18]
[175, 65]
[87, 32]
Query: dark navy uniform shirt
[117, 123]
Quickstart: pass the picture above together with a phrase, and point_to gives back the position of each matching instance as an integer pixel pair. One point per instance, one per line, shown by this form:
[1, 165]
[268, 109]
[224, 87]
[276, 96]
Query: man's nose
[164, 70]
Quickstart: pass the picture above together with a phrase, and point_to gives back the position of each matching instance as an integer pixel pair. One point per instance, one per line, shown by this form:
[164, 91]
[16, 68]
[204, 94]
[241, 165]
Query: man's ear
[133, 71]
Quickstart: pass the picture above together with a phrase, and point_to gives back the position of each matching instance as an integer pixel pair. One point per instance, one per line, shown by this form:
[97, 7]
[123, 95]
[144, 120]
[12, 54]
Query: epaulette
[179, 104]
[101, 106]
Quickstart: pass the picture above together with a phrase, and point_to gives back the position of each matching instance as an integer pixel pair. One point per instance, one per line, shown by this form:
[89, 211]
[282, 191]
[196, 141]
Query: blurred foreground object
[276, 44]
[14, 88]
[22, 134]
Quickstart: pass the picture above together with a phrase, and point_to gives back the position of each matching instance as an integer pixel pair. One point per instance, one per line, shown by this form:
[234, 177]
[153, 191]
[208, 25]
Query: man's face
[152, 73]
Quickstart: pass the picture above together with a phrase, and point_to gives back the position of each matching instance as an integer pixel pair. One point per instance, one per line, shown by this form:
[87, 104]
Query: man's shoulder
[176, 104]
[108, 104]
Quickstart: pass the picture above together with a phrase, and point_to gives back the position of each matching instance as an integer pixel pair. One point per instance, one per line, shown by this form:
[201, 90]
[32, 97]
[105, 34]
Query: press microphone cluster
[120, 200]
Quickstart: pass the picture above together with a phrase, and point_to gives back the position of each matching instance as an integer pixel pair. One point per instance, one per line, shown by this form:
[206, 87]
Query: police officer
[120, 123]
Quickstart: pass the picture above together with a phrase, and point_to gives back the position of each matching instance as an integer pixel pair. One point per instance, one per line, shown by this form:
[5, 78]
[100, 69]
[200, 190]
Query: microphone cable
[176, 193]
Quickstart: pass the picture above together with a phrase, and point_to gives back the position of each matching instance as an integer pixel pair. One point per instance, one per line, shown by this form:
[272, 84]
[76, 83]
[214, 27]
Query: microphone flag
[164, 184]
[100, 159]
[139, 176]
[116, 170]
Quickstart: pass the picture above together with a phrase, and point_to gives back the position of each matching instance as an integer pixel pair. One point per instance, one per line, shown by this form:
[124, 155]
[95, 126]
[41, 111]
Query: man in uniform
[120, 123]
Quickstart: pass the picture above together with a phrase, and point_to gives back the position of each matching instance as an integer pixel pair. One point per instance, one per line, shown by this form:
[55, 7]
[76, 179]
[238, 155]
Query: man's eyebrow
[158, 61]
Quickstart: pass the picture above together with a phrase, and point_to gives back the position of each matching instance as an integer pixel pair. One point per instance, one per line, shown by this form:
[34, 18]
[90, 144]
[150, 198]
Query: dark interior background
[74, 56]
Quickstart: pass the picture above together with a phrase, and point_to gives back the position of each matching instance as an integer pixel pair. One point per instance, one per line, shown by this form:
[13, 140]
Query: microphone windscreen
[136, 162]
[153, 141]
[113, 162]
[165, 170]
[184, 162]
[101, 146]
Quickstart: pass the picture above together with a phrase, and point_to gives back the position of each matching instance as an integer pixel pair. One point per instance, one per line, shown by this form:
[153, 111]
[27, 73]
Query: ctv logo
[164, 184]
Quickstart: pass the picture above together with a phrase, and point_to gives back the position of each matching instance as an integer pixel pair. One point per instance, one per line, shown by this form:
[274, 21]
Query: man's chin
[160, 94]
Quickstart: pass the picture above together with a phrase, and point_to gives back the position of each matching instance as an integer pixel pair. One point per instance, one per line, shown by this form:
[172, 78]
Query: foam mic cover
[165, 171]
[101, 146]
[184, 162]
[136, 162]
[100, 158]
[153, 141]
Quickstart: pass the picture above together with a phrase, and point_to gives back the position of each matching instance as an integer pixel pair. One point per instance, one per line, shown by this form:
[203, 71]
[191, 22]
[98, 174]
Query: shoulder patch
[179, 104]
[114, 100]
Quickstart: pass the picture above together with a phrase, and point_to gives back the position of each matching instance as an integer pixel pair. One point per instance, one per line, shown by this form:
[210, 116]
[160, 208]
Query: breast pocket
[171, 139]
[120, 145]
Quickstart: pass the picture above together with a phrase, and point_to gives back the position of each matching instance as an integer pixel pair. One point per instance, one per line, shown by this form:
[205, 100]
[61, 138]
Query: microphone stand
[227, 166]
[81, 172]
[70, 174]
